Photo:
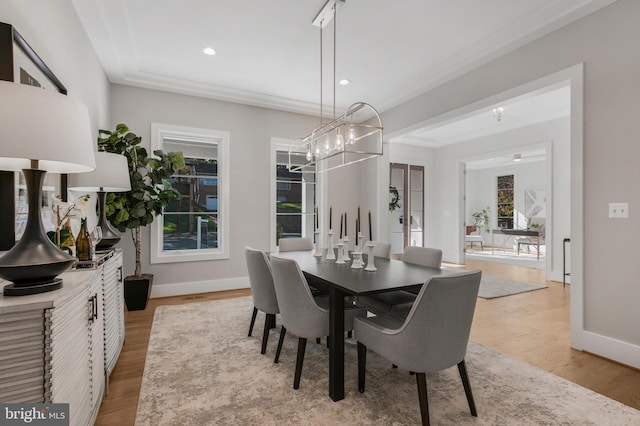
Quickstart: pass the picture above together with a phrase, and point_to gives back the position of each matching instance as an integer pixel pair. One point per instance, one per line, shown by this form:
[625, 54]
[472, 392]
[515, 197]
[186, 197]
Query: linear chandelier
[353, 137]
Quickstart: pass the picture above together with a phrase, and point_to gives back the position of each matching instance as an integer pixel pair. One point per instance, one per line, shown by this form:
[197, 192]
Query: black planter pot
[137, 291]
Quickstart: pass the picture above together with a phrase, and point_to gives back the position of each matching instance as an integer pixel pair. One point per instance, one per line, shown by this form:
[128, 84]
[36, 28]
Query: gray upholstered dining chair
[300, 313]
[262, 292]
[294, 244]
[403, 299]
[433, 337]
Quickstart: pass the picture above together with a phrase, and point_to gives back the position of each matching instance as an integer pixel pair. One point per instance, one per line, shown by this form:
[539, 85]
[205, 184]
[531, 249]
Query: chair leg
[253, 320]
[302, 345]
[283, 331]
[318, 340]
[362, 365]
[467, 387]
[268, 321]
[421, 379]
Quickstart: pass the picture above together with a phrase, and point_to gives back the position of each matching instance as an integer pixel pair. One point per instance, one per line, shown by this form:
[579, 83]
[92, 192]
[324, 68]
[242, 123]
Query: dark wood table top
[519, 232]
[391, 274]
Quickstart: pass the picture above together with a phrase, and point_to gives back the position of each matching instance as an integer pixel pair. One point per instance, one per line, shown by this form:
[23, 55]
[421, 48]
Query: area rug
[202, 369]
[492, 287]
[526, 260]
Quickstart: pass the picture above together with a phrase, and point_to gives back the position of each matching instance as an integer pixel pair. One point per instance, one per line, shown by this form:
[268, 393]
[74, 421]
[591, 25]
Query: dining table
[341, 281]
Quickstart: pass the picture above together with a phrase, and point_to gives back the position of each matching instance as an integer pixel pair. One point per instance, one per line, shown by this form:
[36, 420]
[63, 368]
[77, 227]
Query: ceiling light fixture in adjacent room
[517, 157]
[498, 113]
[344, 82]
[353, 137]
[208, 51]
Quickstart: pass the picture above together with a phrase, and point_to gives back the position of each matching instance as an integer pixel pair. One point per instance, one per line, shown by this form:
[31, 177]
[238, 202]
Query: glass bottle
[67, 242]
[83, 242]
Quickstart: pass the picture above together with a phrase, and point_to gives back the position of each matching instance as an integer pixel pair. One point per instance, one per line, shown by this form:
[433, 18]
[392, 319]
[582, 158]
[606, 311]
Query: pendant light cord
[335, 18]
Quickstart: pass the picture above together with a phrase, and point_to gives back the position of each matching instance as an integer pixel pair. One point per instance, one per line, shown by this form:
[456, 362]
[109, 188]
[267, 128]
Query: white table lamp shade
[36, 124]
[111, 175]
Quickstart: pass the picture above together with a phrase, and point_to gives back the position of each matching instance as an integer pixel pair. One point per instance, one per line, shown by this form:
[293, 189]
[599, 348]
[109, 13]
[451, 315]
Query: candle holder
[340, 259]
[370, 266]
[357, 260]
[330, 254]
[318, 249]
[345, 253]
[359, 242]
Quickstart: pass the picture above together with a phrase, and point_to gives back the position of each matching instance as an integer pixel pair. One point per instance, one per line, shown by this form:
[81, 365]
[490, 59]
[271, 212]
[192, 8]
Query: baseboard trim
[616, 350]
[193, 287]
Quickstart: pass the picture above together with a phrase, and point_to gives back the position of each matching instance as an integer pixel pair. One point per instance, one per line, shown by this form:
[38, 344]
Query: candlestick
[330, 254]
[330, 216]
[345, 223]
[345, 252]
[358, 221]
[370, 266]
[370, 233]
[340, 259]
[341, 220]
[318, 251]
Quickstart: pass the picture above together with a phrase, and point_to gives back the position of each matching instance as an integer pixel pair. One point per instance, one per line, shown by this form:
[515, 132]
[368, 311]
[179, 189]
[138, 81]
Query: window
[505, 202]
[195, 225]
[295, 194]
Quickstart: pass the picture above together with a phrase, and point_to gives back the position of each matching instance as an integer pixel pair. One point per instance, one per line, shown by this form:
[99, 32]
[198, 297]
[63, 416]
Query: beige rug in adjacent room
[202, 369]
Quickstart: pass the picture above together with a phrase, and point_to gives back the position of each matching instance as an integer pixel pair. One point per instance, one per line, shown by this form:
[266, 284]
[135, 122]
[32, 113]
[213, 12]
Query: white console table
[61, 346]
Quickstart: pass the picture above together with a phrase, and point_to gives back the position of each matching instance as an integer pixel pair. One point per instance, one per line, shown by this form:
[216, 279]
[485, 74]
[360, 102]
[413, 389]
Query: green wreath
[394, 196]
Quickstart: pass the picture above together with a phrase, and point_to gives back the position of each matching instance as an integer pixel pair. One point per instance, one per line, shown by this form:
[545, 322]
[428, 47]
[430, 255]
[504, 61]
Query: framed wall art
[21, 64]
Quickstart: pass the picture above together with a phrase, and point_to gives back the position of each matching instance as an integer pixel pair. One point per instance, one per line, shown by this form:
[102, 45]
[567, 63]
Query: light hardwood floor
[532, 327]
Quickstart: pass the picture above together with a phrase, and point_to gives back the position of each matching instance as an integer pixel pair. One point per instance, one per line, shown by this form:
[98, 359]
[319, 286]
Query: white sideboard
[61, 346]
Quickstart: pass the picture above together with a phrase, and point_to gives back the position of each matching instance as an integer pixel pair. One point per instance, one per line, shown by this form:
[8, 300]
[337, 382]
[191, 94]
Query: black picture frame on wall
[21, 64]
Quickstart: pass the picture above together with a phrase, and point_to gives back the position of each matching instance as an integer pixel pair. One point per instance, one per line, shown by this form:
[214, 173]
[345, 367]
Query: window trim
[160, 132]
[280, 144]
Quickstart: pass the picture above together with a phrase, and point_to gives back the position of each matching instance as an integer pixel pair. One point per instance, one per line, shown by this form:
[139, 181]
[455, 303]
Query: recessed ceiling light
[344, 82]
[517, 157]
[208, 51]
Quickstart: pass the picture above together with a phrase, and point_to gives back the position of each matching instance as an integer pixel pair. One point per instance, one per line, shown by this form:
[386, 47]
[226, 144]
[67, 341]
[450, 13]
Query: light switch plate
[618, 210]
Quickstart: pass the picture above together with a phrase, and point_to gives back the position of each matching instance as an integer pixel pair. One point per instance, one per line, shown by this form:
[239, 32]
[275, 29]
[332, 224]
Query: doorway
[406, 206]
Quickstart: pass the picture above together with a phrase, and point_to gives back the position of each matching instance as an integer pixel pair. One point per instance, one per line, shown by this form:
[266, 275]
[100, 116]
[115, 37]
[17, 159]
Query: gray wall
[53, 30]
[251, 129]
[606, 42]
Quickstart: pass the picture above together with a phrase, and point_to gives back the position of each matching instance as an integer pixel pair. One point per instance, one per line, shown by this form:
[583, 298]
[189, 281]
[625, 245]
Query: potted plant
[150, 193]
[481, 219]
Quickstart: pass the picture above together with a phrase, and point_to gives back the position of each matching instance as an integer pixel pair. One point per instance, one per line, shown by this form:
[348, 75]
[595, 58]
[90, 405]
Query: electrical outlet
[618, 210]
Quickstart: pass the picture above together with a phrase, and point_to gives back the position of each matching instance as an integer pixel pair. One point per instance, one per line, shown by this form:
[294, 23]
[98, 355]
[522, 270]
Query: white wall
[481, 192]
[53, 30]
[251, 130]
[606, 42]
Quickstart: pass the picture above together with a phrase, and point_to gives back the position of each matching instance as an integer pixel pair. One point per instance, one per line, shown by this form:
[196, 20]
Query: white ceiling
[523, 111]
[268, 52]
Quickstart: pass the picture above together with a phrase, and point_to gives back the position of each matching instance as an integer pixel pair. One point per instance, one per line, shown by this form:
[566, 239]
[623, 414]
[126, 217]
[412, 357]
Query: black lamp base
[110, 236]
[32, 288]
[34, 262]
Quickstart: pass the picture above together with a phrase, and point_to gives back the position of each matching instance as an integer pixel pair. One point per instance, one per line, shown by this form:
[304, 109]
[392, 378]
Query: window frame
[160, 132]
[281, 144]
